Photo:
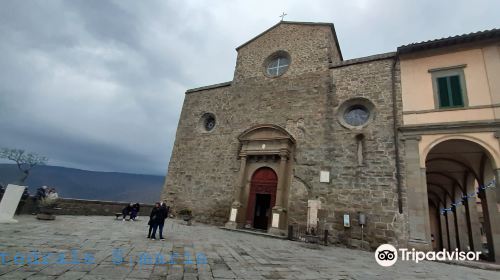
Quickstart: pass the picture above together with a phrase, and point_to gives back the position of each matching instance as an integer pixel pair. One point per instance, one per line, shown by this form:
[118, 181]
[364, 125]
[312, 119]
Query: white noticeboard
[9, 203]
[324, 177]
[313, 205]
[347, 220]
[276, 220]
[234, 212]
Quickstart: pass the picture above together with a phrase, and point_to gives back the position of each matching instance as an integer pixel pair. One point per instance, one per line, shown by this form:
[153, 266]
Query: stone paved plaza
[229, 255]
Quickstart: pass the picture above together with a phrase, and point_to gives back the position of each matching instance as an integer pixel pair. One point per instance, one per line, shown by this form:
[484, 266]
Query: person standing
[164, 209]
[22, 202]
[154, 219]
[41, 193]
[2, 191]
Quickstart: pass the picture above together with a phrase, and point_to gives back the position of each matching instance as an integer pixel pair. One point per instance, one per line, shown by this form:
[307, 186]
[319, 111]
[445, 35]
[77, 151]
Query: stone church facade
[297, 128]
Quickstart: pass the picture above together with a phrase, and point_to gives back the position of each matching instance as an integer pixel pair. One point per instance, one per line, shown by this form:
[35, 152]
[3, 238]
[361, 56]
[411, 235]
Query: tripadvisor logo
[387, 255]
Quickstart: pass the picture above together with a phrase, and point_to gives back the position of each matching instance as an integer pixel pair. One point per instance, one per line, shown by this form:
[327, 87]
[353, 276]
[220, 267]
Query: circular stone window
[208, 122]
[277, 64]
[356, 113]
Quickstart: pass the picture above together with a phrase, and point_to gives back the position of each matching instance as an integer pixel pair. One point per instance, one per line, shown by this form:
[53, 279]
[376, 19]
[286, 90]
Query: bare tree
[24, 161]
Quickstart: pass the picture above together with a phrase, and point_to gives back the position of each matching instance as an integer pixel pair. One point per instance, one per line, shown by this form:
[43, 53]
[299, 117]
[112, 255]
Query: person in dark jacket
[154, 220]
[22, 202]
[135, 211]
[26, 194]
[41, 193]
[164, 209]
[127, 211]
[2, 191]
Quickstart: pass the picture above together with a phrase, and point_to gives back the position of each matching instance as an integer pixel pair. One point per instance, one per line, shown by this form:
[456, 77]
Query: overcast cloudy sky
[99, 85]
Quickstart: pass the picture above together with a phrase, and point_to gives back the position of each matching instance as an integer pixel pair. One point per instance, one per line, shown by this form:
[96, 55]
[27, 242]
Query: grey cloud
[99, 85]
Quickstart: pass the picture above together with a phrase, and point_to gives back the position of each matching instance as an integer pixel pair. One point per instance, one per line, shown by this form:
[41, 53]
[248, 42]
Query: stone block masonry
[84, 207]
[308, 102]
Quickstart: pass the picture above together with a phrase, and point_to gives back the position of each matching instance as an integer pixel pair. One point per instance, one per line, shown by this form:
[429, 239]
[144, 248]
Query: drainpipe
[396, 135]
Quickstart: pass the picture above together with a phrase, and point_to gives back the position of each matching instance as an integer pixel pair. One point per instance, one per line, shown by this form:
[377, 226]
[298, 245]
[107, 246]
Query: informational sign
[324, 177]
[313, 206]
[234, 212]
[362, 219]
[347, 220]
[9, 203]
[276, 220]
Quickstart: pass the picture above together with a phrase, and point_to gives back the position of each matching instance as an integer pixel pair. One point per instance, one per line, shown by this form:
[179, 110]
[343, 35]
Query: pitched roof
[449, 41]
[332, 28]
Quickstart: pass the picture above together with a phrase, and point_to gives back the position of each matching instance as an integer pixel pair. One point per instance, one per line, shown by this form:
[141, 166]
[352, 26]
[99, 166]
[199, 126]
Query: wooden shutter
[456, 91]
[444, 99]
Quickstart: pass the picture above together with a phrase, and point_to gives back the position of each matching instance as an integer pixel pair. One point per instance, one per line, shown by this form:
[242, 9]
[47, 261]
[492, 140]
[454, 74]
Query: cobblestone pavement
[229, 255]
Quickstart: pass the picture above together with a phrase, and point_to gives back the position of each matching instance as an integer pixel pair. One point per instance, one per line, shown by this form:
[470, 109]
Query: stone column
[425, 197]
[457, 227]
[462, 222]
[278, 209]
[451, 229]
[443, 236]
[236, 205]
[471, 205]
[446, 231]
[492, 217]
[468, 243]
[438, 239]
[418, 208]
[474, 224]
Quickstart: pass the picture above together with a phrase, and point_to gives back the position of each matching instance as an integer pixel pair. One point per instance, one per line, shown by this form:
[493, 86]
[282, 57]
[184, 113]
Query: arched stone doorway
[262, 198]
[264, 148]
[462, 198]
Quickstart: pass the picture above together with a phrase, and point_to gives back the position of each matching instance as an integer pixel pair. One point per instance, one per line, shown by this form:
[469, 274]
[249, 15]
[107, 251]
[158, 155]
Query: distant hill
[76, 183]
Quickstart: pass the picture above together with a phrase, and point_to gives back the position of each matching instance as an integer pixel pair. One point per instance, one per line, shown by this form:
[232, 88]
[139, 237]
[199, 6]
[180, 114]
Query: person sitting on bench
[127, 211]
[135, 211]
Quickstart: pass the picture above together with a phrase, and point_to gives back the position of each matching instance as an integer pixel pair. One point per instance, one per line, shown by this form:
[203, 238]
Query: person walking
[164, 209]
[154, 219]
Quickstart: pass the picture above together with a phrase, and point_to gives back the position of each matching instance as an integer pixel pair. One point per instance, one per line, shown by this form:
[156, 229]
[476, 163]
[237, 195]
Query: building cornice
[365, 59]
[226, 84]
[451, 127]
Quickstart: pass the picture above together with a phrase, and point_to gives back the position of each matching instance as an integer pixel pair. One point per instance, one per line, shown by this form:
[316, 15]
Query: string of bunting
[469, 196]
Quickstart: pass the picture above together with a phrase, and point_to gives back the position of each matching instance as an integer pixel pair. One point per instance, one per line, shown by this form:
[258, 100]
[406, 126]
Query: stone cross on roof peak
[283, 16]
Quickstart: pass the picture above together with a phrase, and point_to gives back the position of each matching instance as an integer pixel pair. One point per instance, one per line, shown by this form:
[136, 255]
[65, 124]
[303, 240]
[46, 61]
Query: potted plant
[47, 208]
[187, 215]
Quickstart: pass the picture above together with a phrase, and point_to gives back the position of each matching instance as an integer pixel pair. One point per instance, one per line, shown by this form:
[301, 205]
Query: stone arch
[309, 188]
[299, 195]
[264, 181]
[265, 132]
[263, 145]
[490, 151]
[450, 162]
